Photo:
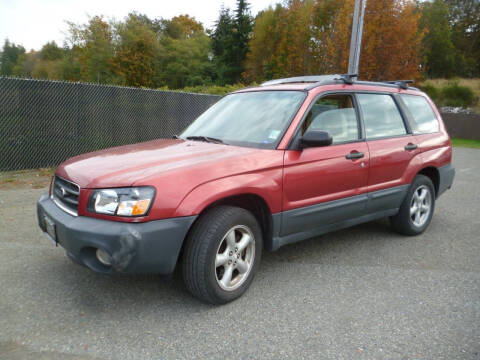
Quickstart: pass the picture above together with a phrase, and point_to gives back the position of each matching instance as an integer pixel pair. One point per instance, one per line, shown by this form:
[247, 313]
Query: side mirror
[316, 138]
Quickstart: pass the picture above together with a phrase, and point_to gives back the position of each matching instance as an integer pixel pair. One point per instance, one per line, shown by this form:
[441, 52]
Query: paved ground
[361, 293]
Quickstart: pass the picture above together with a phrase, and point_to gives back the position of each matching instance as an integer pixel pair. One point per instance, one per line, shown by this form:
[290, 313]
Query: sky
[32, 23]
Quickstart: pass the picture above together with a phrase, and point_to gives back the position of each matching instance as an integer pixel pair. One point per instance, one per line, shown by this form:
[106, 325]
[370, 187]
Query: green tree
[222, 42]
[71, 67]
[184, 57]
[25, 64]
[9, 57]
[464, 17]
[95, 49]
[243, 25]
[51, 51]
[437, 47]
[230, 41]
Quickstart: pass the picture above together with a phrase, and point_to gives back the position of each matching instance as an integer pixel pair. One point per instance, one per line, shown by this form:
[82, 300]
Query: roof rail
[299, 79]
[319, 80]
[401, 83]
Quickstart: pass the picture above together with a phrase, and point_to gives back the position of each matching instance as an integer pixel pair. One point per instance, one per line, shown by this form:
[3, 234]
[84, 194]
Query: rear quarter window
[424, 119]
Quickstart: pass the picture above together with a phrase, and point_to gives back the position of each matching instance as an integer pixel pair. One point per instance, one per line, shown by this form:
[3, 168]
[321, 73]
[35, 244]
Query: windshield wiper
[205, 138]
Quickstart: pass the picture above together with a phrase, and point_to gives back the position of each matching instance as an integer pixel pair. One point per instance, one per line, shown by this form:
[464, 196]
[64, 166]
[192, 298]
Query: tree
[182, 26]
[25, 64]
[185, 51]
[313, 36]
[331, 30]
[95, 48]
[230, 41]
[260, 64]
[243, 25]
[281, 43]
[464, 17]
[438, 50]
[391, 40]
[9, 57]
[71, 67]
[222, 42]
[51, 51]
[136, 52]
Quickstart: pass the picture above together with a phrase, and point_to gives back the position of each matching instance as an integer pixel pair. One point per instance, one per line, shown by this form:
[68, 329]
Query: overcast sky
[32, 23]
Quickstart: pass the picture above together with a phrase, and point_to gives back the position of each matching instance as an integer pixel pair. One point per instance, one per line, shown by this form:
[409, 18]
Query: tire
[413, 217]
[217, 247]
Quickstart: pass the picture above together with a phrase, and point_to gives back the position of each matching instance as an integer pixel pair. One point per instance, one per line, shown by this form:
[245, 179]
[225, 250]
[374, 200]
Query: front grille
[65, 194]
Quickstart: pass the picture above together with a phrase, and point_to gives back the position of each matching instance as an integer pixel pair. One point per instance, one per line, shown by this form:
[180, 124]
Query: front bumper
[135, 248]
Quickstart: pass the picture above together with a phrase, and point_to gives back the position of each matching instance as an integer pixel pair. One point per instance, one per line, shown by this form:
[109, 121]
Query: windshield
[255, 119]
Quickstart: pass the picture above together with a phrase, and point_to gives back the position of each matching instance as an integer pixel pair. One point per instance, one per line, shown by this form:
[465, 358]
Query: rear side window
[380, 116]
[423, 116]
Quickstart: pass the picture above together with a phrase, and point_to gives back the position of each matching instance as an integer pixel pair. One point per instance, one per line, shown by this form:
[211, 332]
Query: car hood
[172, 160]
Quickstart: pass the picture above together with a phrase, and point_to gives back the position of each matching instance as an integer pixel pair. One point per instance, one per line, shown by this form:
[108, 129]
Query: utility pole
[356, 40]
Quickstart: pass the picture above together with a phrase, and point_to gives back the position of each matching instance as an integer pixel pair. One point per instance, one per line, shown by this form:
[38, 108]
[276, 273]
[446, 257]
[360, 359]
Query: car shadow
[92, 294]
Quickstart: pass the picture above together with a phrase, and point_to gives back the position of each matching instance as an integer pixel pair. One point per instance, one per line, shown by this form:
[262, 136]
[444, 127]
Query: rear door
[391, 146]
[325, 185]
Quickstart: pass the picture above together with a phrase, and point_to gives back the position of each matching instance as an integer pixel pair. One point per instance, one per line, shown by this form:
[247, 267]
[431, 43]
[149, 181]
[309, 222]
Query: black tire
[202, 244]
[403, 222]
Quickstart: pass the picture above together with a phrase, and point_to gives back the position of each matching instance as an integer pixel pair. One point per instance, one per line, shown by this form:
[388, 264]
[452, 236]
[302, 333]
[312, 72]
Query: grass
[474, 144]
[33, 179]
[474, 84]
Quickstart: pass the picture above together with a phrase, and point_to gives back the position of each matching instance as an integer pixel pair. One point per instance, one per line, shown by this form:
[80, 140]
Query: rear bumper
[136, 248]
[447, 174]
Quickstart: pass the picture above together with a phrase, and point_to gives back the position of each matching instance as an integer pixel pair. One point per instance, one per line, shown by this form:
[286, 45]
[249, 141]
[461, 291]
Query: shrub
[450, 93]
[432, 91]
[457, 95]
[209, 89]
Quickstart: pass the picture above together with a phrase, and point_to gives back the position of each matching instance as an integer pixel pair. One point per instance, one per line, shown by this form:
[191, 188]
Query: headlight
[133, 201]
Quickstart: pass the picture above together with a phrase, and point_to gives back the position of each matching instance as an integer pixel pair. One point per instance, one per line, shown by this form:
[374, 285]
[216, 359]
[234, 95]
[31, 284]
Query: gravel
[359, 293]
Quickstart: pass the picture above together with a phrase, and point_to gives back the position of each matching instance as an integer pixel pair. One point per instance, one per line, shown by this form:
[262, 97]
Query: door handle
[410, 147]
[354, 155]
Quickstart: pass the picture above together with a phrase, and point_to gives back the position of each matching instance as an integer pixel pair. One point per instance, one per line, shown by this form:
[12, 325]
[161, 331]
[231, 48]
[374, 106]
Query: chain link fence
[43, 123]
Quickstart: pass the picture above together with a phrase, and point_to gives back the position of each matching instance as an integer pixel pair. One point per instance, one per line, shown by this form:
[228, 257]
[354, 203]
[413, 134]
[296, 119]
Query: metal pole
[356, 39]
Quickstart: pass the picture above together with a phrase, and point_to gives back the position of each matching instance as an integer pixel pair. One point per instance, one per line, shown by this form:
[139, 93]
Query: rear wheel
[417, 209]
[222, 254]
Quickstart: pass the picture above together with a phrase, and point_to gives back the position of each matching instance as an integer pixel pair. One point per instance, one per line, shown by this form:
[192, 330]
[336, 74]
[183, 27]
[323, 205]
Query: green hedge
[450, 94]
[210, 89]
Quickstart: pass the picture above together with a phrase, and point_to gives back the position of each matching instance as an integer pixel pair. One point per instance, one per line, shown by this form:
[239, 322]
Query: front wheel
[222, 254]
[417, 209]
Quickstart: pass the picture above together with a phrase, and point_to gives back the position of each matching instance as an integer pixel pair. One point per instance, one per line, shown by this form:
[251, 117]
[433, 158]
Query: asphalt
[359, 293]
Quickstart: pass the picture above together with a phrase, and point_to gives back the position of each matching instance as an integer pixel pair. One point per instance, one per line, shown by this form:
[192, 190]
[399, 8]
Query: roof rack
[314, 79]
[347, 78]
[401, 83]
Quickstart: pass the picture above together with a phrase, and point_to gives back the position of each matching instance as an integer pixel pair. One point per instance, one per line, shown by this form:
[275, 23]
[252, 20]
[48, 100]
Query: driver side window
[335, 114]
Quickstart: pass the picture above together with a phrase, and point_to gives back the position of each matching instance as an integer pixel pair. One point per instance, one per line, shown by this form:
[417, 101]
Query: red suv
[263, 167]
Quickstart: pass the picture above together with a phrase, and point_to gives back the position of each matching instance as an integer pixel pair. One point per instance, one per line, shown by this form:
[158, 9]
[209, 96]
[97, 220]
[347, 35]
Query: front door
[326, 185]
